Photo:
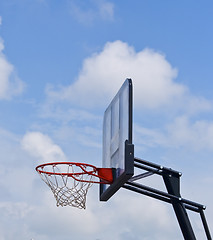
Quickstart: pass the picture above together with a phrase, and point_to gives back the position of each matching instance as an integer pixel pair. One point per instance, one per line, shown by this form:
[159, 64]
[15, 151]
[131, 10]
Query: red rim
[105, 174]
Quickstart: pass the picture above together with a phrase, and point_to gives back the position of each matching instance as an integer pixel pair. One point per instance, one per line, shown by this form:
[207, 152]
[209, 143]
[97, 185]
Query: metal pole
[173, 187]
[172, 181]
[156, 166]
[205, 225]
[154, 192]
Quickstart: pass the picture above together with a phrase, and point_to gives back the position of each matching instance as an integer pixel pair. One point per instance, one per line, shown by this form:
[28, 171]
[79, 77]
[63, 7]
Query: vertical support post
[205, 225]
[173, 187]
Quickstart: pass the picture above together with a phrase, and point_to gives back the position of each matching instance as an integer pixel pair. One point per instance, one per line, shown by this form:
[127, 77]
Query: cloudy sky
[61, 62]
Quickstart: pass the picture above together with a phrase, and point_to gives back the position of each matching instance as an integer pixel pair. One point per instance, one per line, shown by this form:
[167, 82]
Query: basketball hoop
[70, 181]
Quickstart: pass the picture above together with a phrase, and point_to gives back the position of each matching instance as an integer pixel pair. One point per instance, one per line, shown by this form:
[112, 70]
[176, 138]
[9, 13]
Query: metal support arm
[172, 182]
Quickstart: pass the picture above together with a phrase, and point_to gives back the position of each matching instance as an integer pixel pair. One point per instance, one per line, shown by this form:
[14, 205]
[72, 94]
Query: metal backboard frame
[118, 150]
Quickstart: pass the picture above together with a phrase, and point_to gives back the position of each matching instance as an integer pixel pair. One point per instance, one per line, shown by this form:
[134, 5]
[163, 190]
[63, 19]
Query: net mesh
[69, 183]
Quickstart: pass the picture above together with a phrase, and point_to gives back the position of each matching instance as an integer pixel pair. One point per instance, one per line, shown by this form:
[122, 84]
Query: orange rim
[104, 174]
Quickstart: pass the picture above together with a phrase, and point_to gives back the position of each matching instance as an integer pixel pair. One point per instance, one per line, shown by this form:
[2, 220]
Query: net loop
[70, 182]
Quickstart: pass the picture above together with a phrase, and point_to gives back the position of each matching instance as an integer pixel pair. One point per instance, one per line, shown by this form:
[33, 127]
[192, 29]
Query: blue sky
[61, 62]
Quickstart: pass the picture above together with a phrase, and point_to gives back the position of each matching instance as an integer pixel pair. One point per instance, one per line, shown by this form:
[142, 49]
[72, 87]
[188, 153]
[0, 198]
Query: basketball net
[70, 182]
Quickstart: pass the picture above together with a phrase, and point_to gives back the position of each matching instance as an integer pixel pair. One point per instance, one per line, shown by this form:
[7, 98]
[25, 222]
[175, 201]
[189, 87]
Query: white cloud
[91, 224]
[197, 134]
[60, 112]
[106, 9]
[30, 200]
[103, 73]
[149, 137]
[99, 9]
[182, 132]
[155, 89]
[10, 84]
[41, 146]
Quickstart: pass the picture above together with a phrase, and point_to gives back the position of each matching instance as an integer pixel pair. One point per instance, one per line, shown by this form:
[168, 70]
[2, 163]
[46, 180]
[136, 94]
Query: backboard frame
[106, 190]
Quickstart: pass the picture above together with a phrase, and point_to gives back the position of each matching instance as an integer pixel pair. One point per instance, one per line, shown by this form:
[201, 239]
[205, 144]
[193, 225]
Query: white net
[69, 183]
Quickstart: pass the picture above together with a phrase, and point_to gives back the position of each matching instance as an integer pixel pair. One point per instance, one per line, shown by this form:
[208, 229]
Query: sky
[61, 63]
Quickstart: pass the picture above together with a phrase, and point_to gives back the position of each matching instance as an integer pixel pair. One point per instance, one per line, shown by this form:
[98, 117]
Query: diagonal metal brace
[142, 175]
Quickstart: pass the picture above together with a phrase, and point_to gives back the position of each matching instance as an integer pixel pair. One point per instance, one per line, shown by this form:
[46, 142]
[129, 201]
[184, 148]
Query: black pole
[205, 225]
[172, 181]
[180, 209]
[156, 166]
[173, 187]
[166, 197]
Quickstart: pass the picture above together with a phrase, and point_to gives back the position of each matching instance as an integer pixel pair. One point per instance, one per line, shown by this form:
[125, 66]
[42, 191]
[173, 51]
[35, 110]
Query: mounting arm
[172, 182]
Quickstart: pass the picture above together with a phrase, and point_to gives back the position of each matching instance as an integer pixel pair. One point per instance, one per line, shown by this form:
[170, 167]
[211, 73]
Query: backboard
[118, 150]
